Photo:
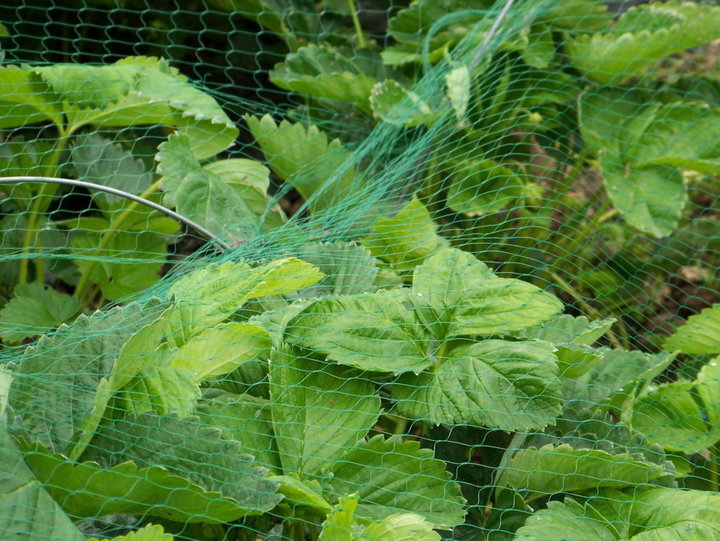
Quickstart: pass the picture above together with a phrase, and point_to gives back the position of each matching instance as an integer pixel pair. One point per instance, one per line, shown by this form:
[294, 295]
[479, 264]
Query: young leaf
[550, 470]
[375, 468]
[35, 309]
[400, 527]
[69, 366]
[513, 386]
[406, 239]
[700, 335]
[566, 520]
[186, 448]
[302, 493]
[463, 298]
[459, 82]
[566, 329]
[318, 414]
[338, 525]
[27, 511]
[370, 332]
[641, 37]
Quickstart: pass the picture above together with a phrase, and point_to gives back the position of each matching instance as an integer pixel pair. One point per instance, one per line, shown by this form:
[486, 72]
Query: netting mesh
[338, 270]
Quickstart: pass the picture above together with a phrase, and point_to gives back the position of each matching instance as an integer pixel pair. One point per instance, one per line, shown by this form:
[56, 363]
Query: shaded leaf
[151, 532]
[395, 104]
[701, 333]
[35, 309]
[483, 186]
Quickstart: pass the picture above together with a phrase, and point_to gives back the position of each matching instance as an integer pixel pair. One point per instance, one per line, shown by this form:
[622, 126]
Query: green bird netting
[338, 270]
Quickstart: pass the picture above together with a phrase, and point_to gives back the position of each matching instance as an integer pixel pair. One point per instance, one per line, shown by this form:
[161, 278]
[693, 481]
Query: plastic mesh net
[340, 270]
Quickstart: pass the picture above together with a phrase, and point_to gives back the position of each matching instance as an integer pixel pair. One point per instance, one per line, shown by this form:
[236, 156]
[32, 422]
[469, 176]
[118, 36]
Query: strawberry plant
[239, 396]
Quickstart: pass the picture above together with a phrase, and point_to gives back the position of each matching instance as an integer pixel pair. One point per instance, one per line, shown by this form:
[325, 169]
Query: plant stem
[356, 21]
[115, 226]
[41, 202]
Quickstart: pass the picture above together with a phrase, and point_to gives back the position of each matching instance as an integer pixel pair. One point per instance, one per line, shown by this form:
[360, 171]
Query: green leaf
[222, 349]
[339, 522]
[567, 329]
[540, 50]
[318, 414]
[493, 383]
[203, 196]
[371, 332]
[24, 99]
[212, 294]
[641, 37]
[245, 419]
[131, 261]
[406, 239]
[482, 187]
[401, 527]
[189, 449]
[458, 296]
[306, 159]
[579, 15]
[699, 335]
[86, 490]
[395, 104]
[251, 180]
[151, 532]
[323, 72]
[458, 82]
[410, 25]
[654, 514]
[306, 494]
[682, 416]
[376, 468]
[69, 366]
[349, 269]
[35, 309]
[27, 511]
[96, 159]
[556, 469]
[85, 86]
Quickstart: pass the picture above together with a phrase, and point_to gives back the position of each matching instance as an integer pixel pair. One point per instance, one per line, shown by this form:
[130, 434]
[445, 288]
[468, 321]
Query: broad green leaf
[641, 37]
[338, 525]
[699, 335]
[575, 360]
[482, 187]
[376, 468]
[5, 381]
[395, 104]
[372, 332]
[349, 269]
[67, 368]
[682, 416]
[653, 514]
[410, 25]
[550, 470]
[221, 349]
[579, 15]
[24, 99]
[462, 298]
[320, 169]
[87, 490]
[458, 82]
[323, 72]
[251, 180]
[318, 413]
[297, 492]
[151, 532]
[35, 309]
[203, 196]
[614, 373]
[406, 239]
[513, 386]
[400, 527]
[567, 329]
[245, 419]
[85, 86]
[130, 262]
[96, 159]
[212, 294]
[189, 449]
[27, 511]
